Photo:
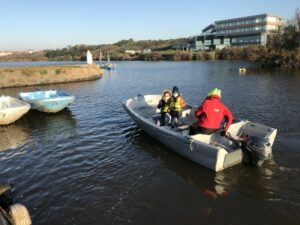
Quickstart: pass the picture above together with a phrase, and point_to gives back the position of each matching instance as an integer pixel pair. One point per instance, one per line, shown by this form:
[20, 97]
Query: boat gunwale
[190, 138]
[50, 99]
[222, 157]
[174, 133]
[60, 95]
[9, 98]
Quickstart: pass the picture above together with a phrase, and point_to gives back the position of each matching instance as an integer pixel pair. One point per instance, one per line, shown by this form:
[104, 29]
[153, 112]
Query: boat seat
[183, 127]
[156, 116]
[189, 120]
[201, 137]
[237, 128]
[215, 139]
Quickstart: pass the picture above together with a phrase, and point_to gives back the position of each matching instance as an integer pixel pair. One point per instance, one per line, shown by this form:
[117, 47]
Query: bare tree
[295, 20]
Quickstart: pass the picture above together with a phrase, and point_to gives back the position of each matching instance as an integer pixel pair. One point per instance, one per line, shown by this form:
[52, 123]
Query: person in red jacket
[211, 114]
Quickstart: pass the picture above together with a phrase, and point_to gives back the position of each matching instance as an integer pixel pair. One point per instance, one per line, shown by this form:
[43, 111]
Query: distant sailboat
[100, 57]
[108, 65]
[89, 57]
[108, 58]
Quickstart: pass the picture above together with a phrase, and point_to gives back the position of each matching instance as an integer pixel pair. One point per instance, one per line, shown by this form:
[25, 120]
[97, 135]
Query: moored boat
[11, 109]
[108, 65]
[51, 101]
[248, 141]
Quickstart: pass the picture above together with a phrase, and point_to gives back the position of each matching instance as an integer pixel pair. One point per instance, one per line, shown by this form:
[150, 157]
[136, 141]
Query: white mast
[108, 58]
[100, 57]
[89, 57]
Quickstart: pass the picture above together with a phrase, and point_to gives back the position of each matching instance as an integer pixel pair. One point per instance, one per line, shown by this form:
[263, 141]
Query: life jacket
[165, 107]
[177, 104]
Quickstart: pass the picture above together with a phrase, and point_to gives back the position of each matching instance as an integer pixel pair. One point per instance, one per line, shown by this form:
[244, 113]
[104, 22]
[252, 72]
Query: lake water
[91, 164]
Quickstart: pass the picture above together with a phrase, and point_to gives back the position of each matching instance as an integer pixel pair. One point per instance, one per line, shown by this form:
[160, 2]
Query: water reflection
[61, 124]
[243, 179]
[207, 181]
[14, 135]
[51, 126]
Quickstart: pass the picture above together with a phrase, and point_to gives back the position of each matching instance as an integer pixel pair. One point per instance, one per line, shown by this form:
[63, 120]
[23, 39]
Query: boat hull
[51, 105]
[205, 155]
[47, 101]
[15, 111]
[211, 151]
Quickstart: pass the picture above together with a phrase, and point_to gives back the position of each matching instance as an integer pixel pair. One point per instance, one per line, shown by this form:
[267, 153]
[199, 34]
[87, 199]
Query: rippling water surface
[90, 164]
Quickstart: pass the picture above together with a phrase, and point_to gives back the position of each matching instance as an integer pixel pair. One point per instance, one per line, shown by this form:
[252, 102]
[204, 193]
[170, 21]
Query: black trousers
[201, 130]
[163, 119]
[175, 121]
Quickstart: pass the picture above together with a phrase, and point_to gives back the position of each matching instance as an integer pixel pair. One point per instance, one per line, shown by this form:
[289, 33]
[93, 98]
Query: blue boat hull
[107, 66]
[47, 101]
[52, 105]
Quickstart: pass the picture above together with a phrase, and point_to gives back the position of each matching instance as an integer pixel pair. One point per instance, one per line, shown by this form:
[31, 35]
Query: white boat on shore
[11, 109]
[211, 151]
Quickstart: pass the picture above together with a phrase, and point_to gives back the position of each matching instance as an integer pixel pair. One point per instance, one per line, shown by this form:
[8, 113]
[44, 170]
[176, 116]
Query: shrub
[57, 71]
[43, 72]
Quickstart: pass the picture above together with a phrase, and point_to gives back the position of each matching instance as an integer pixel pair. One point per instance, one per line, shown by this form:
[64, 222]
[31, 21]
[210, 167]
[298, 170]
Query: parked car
[12, 213]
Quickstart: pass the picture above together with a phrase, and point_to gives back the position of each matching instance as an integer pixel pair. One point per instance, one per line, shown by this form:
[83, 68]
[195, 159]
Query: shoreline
[43, 75]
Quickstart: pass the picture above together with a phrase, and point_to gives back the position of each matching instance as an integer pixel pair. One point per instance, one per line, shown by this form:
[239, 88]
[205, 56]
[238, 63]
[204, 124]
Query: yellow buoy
[242, 70]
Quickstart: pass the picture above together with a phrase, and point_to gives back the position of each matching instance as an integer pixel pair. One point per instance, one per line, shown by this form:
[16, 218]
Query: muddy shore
[41, 75]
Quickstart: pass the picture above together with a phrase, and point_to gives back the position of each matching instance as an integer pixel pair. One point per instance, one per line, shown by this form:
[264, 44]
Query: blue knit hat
[175, 90]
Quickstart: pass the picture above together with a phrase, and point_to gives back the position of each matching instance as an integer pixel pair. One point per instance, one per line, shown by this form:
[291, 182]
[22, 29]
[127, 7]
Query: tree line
[116, 50]
[282, 50]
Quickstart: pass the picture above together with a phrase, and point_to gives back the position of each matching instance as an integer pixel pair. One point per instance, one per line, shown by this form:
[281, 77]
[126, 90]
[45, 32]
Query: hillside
[116, 51]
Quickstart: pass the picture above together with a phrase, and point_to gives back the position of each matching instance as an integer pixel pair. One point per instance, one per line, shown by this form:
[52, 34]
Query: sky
[51, 24]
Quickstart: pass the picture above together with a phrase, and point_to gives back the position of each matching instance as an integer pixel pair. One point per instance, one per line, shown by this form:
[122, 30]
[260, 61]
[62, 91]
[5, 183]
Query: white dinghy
[11, 109]
[212, 151]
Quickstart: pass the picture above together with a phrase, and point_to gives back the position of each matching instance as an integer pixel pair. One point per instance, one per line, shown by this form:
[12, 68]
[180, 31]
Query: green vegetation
[116, 50]
[167, 52]
[57, 71]
[8, 70]
[43, 72]
[283, 49]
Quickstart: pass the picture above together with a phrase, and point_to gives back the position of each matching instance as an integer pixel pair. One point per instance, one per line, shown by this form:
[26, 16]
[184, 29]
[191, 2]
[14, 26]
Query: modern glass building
[243, 31]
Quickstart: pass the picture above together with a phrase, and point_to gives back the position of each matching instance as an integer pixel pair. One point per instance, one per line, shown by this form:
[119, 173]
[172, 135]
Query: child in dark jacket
[163, 105]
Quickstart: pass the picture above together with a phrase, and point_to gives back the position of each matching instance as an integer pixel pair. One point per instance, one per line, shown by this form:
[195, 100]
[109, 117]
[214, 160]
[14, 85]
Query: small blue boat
[108, 66]
[51, 101]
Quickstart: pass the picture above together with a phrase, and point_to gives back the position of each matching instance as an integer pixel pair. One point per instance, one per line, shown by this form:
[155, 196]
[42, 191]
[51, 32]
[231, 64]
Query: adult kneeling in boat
[176, 105]
[211, 114]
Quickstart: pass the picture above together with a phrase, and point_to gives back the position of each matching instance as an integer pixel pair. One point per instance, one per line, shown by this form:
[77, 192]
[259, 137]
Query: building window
[217, 41]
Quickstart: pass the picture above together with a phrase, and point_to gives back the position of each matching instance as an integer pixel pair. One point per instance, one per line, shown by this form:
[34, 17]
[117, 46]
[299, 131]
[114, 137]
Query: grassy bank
[40, 75]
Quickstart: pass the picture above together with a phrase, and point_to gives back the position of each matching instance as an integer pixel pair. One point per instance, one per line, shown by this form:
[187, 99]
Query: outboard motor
[256, 150]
